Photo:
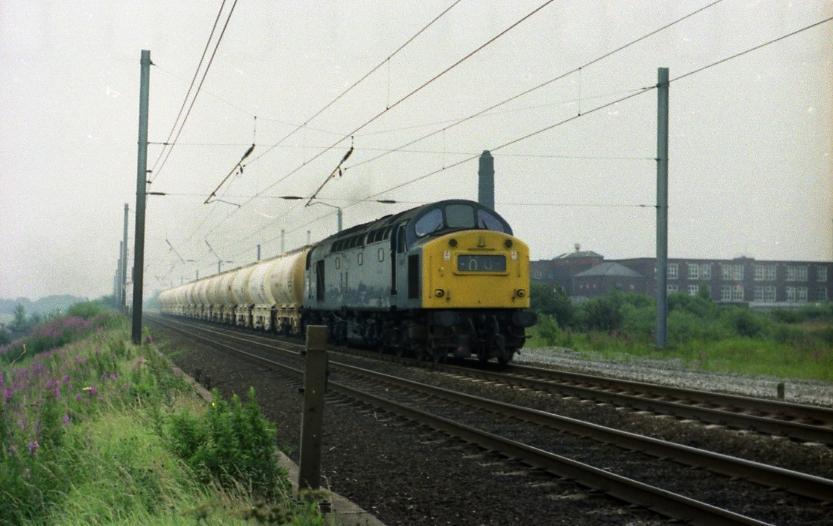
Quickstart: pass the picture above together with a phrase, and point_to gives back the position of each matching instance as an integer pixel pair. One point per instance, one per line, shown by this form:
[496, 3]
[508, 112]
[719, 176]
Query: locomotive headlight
[452, 242]
[508, 243]
[520, 293]
[439, 293]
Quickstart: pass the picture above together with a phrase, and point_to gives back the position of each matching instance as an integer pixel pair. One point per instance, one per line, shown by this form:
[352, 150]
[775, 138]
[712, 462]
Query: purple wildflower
[7, 394]
[78, 397]
[66, 379]
[66, 420]
[33, 447]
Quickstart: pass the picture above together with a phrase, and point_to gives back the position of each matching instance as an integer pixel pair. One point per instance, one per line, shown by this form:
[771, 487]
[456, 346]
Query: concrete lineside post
[118, 290]
[312, 419]
[123, 278]
[141, 189]
[662, 207]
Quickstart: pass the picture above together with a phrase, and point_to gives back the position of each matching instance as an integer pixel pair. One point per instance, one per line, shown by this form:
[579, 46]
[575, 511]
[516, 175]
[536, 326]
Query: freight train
[442, 279]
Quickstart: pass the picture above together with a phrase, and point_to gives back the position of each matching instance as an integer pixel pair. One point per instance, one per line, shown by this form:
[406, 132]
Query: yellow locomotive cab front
[475, 269]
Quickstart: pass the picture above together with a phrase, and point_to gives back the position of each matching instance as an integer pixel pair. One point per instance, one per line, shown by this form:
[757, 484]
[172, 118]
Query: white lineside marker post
[315, 372]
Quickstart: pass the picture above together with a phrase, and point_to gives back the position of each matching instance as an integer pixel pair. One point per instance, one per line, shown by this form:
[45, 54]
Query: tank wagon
[447, 278]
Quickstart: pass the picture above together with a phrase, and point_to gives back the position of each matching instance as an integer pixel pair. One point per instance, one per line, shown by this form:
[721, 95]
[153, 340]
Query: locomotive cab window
[488, 221]
[429, 222]
[459, 216]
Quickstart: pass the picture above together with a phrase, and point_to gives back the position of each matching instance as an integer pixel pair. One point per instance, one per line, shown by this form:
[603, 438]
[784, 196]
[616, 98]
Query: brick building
[739, 280]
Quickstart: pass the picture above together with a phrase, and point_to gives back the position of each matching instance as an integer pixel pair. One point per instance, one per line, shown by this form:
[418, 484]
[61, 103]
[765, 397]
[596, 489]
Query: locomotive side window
[488, 221]
[400, 237]
[429, 222]
[380, 254]
[459, 216]
[360, 258]
[319, 280]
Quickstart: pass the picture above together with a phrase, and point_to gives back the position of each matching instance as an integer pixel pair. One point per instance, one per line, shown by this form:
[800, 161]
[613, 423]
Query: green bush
[232, 443]
[696, 305]
[87, 309]
[603, 314]
[552, 301]
[746, 323]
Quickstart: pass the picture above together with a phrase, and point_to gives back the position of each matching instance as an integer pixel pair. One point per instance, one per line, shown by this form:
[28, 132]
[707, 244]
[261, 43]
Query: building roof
[579, 254]
[609, 269]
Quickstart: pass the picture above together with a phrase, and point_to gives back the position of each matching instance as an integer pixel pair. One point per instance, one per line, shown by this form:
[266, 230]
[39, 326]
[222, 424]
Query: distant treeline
[45, 305]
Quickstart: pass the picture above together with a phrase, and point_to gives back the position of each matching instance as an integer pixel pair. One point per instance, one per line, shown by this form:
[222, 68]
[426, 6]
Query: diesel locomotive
[446, 278]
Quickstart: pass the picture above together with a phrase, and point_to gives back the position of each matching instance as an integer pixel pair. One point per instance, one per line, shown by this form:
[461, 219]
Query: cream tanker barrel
[286, 278]
[258, 287]
[225, 297]
[240, 286]
[213, 290]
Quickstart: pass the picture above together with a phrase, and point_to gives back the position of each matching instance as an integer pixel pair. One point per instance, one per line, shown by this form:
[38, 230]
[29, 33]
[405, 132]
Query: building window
[797, 294]
[822, 294]
[673, 270]
[764, 294]
[764, 272]
[731, 272]
[796, 272]
[673, 287]
[706, 271]
[731, 293]
[693, 271]
[692, 290]
[821, 273]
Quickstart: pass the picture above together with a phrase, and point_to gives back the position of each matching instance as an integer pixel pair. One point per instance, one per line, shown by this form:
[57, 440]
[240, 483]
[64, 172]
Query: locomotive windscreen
[481, 263]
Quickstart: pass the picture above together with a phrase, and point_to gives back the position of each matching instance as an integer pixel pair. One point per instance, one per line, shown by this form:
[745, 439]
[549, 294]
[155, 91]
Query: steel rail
[771, 476]
[629, 490]
[764, 424]
[737, 420]
[800, 411]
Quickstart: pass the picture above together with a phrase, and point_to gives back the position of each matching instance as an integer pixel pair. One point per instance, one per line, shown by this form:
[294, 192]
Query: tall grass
[90, 434]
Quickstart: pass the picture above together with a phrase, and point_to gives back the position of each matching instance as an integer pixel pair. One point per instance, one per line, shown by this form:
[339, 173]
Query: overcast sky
[750, 139]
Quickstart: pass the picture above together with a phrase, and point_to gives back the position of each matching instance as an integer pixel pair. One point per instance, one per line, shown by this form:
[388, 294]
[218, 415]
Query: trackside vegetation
[796, 343]
[95, 430]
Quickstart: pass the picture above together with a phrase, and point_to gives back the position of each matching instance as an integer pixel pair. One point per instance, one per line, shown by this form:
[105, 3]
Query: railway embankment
[96, 430]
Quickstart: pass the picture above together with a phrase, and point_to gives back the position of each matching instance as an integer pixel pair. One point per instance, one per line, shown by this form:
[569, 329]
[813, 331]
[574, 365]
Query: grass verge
[99, 431]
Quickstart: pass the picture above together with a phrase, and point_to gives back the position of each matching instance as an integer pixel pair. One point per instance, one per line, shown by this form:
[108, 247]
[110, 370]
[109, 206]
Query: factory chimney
[486, 180]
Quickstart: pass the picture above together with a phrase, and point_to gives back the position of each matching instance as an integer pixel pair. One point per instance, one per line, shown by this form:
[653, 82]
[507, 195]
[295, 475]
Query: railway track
[401, 396]
[800, 422]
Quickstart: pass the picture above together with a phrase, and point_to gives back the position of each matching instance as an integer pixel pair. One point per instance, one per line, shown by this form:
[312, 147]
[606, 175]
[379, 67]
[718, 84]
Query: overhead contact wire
[538, 86]
[197, 92]
[597, 108]
[190, 88]
[403, 98]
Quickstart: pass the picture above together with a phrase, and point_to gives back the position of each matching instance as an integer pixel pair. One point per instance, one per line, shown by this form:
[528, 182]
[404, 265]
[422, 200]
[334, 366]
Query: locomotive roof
[391, 219]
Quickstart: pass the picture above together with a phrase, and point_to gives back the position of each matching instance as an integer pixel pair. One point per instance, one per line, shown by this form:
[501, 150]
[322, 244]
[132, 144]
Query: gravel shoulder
[676, 373]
